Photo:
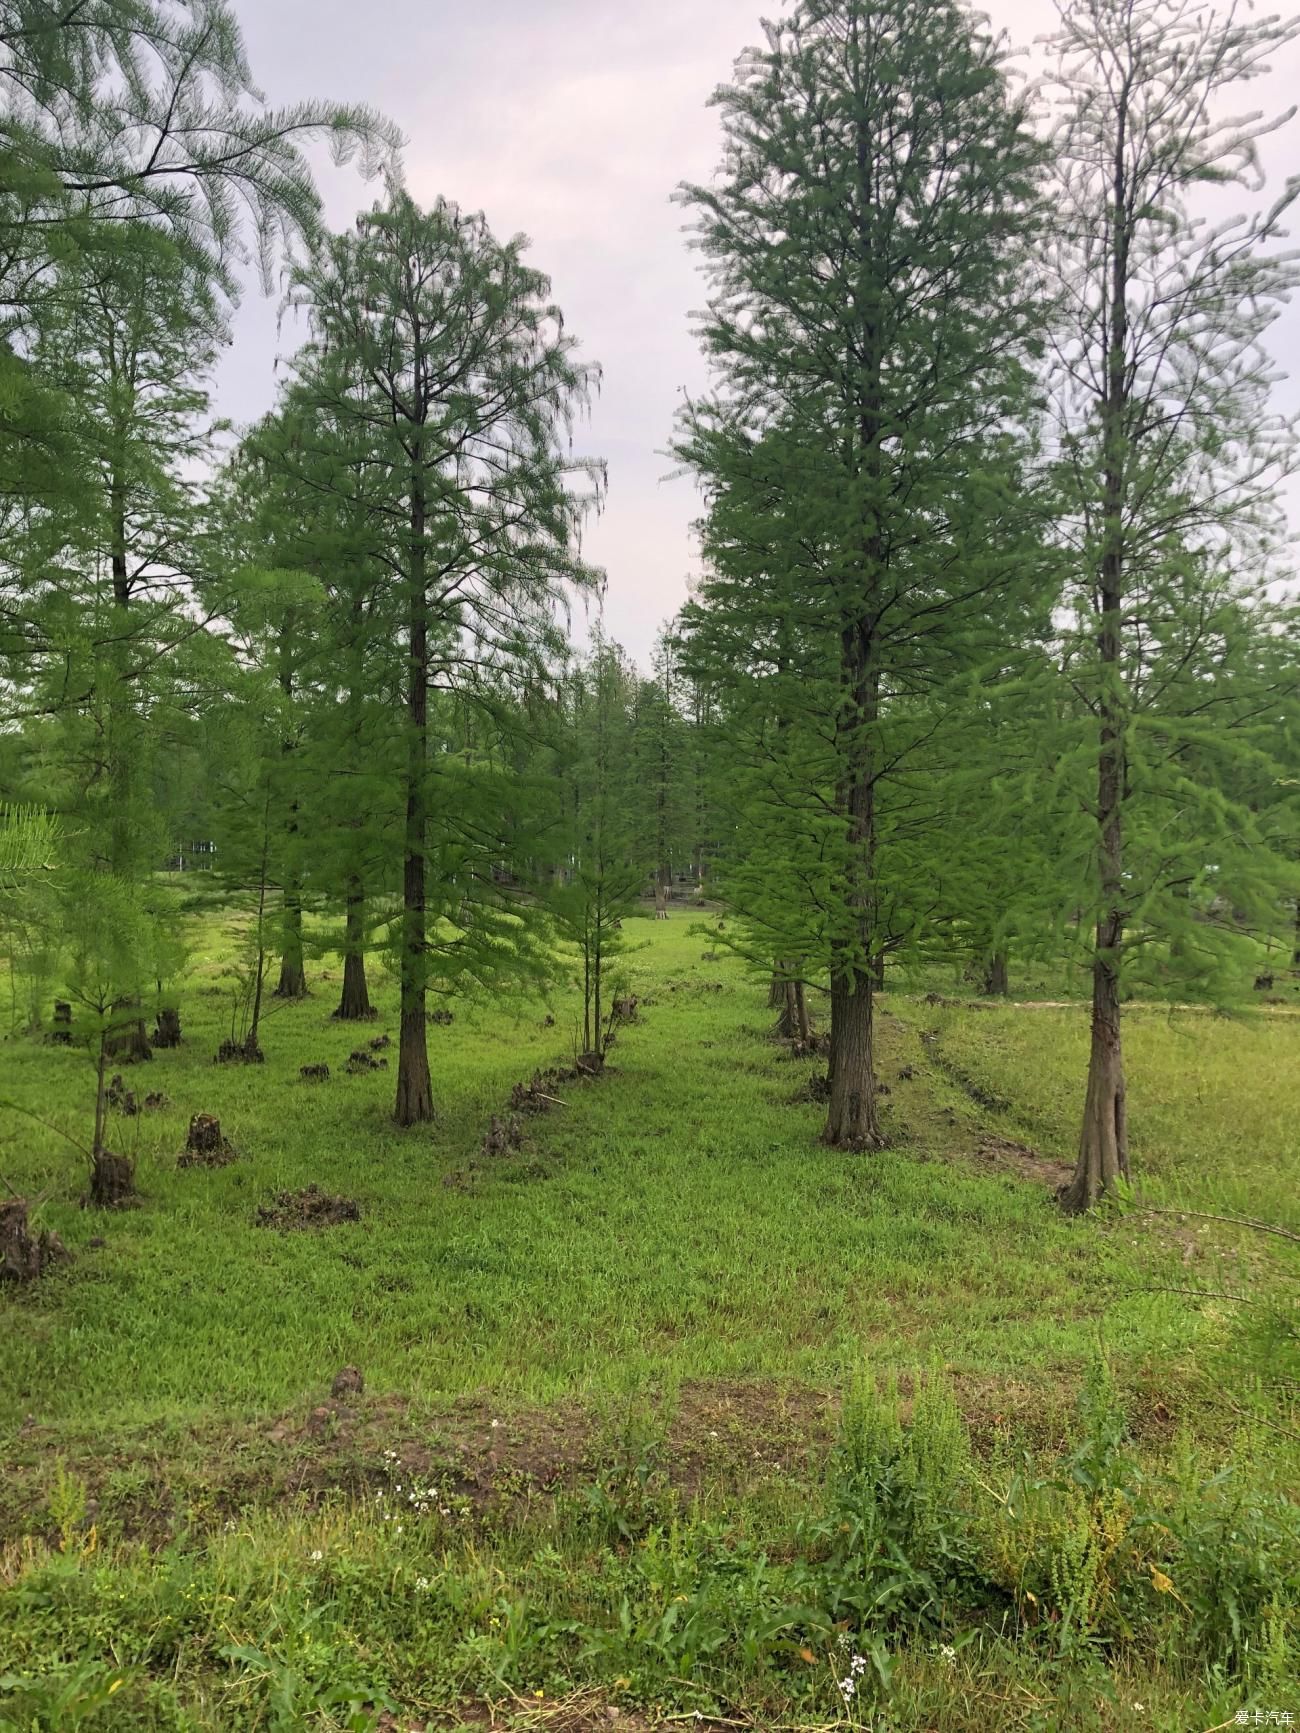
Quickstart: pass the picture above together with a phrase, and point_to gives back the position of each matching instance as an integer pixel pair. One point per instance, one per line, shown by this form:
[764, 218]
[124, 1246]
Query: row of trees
[988, 650]
[990, 611]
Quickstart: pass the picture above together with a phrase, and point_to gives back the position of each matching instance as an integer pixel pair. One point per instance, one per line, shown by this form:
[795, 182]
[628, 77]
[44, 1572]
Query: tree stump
[112, 1181]
[25, 1256]
[204, 1144]
[62, 1030]
[168, 1032]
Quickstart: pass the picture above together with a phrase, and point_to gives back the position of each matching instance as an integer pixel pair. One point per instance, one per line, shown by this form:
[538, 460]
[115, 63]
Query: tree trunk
[776, 992]
[1103, 1143]
[996, 982]
[354, 1005]
[414, 1085]
[852, 1121]
[293, 977]
[1103, 1146]
[661, 898]
[794, 1023]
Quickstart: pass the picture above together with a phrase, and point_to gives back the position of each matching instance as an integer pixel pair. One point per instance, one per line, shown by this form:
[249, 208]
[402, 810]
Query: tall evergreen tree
[1170, 458]
[438, 353]
[866, 243]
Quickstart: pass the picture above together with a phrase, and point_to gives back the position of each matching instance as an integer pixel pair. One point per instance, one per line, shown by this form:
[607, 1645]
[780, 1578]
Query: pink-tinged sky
[572, 121]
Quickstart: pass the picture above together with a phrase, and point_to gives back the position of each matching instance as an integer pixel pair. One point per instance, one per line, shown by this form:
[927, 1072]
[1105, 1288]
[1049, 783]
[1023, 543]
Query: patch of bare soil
[309, 1208]
[1005, 1156]
[478, 1460]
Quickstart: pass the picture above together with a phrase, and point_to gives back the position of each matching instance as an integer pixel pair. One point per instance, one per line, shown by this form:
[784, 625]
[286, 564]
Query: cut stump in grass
[168, 1031]
[239, 1053]
[314, 1073]
[204, 1144]
[26, 1253]
[112, 1181]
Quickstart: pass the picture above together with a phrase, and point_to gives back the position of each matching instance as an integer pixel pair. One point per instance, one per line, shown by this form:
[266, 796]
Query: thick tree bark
[852, 1121]
[354, 1005]
[414, 1086]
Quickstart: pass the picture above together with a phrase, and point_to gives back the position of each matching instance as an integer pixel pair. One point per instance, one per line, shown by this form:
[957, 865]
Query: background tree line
[992, 656]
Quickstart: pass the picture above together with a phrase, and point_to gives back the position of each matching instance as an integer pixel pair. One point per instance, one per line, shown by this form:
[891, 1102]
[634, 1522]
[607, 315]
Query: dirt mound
[360, 1061]
[309, 1208]
[504, 1136]
[1002, 1154]
[314, 1073]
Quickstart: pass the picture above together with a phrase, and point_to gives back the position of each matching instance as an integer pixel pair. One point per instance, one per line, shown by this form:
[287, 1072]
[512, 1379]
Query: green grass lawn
[631, 1335]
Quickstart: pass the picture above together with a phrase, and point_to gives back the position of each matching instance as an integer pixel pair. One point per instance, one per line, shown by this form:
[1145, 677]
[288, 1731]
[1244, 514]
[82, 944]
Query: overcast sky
[572, 121]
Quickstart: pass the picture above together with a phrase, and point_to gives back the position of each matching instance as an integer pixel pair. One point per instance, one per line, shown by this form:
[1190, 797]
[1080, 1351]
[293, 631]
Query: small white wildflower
[847, 1688]
[843, 1640]
[1139, 1705]
[444, 1510]
[948, 1652]
[422, 1583]
[858, 1665]
[495, 1424]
